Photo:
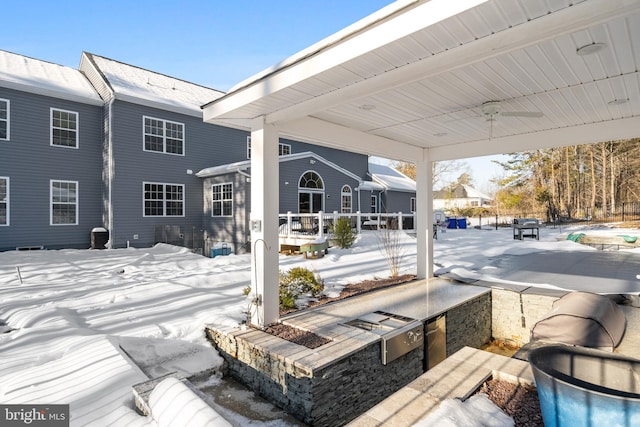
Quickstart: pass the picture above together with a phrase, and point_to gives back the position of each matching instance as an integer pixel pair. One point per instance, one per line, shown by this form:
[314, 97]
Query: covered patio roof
[425, 81]
[417, 74]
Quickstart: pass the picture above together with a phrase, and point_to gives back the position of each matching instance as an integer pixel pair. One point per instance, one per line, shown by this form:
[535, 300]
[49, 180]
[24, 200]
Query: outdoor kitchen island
[380, 342]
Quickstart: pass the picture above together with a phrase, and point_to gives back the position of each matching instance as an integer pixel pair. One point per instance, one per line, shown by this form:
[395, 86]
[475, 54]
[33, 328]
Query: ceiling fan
[493, 109]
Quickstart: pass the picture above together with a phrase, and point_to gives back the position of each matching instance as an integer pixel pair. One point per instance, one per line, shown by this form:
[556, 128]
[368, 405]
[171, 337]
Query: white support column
[424, 216]
[264, 222]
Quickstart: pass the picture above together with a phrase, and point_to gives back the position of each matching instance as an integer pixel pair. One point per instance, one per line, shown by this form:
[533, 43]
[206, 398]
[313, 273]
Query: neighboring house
[459, 196]
[117, 146]
[50, 155]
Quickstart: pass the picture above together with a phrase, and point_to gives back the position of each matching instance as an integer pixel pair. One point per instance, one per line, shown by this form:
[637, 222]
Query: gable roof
[45, 78]
[391, 179]
[246, 164]
[140, 86]
[460, 191]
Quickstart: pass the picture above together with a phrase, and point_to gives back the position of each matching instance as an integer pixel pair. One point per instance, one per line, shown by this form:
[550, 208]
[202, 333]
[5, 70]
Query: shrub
[296, 282]
[343, 234]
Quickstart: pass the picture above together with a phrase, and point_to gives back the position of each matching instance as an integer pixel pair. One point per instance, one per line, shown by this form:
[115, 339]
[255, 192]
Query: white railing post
[358, 222]
[321, 224]
[289, 224]
[399, 220]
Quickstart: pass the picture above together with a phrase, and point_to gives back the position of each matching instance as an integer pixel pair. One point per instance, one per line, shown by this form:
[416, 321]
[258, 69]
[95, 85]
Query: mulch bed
[295, 335]
[311, 340]
[519, 402]
[358, 289]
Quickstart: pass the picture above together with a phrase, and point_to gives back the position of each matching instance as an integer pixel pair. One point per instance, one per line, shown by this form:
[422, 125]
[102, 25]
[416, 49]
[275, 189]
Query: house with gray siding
[116, 146]
[399, 191]
[309, 183]
[50, 155]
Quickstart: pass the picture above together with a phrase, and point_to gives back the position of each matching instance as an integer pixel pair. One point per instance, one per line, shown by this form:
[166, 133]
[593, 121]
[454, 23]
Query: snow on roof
[475, 194]
[391, 179]
[45, 78]
[370, 186]
[140, 86]
[460, 191]
[246, 164]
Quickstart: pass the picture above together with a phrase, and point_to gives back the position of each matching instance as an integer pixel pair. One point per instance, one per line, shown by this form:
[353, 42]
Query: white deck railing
[307, 226]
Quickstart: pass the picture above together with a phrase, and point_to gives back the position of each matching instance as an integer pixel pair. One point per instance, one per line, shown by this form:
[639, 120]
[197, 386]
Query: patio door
[310, 193]
[310, 202]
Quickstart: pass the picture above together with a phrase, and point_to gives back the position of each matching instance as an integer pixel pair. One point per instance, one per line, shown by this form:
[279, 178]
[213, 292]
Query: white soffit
[419, 79]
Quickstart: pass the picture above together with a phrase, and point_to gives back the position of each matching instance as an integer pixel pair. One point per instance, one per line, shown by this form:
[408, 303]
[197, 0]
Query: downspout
[110, 168]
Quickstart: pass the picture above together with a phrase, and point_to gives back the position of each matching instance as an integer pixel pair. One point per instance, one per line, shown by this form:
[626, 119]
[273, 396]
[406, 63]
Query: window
[64, 202]
[283, 149]
[64, 128]
[374, 204]
[412, 204]
[163, 136]
[163, 199]
[4, 201]
[222, 199]
[310, 193]
[345, 204]
[4, 119]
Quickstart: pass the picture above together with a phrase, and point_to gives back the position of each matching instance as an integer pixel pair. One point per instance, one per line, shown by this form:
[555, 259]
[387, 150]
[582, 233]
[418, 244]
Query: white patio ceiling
[415, 75]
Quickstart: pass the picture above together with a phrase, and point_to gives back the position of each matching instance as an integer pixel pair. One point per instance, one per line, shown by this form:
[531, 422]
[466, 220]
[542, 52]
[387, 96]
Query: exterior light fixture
[618, 101]
[590, 49]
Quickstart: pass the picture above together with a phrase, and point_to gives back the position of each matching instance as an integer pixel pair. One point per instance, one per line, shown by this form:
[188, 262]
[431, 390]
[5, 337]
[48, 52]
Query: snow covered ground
[69, 317]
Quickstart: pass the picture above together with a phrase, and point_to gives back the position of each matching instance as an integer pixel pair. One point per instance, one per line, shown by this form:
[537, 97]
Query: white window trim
[164, 200]
[374, 203]
[77, 202]
[77, 130]
[164, 137]
[310, 190]
[222, 200]
[350, 194]
[8, 201]
[8, 120]
[281, 147]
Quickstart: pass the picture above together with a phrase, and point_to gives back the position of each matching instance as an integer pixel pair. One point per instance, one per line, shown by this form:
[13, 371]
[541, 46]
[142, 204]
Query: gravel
[519, 402]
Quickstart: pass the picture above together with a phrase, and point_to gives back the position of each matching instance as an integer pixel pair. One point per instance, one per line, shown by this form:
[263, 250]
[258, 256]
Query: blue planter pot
[586, 387]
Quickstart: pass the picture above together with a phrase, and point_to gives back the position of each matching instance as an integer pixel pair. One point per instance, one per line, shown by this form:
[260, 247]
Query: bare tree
[390, 244]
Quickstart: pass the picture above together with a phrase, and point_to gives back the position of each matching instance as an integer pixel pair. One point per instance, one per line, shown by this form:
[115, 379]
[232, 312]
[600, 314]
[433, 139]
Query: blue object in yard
[220, 250]
[452, 223]
[580, 387]
[462, 222]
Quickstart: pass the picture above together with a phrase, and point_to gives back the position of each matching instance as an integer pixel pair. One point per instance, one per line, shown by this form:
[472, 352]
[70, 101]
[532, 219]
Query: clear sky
[215, 43]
